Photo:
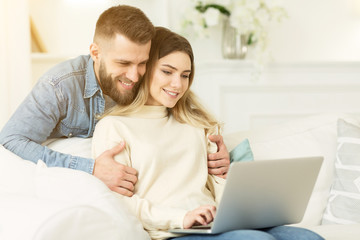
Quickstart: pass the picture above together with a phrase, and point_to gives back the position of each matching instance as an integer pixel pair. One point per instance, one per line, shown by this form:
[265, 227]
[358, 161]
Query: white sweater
[171, 160]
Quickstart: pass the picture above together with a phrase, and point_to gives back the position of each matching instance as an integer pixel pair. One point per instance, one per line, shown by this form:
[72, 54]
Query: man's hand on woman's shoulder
[219, 162]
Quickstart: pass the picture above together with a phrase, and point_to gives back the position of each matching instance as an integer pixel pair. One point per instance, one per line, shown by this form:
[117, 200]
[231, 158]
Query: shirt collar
[91, 84]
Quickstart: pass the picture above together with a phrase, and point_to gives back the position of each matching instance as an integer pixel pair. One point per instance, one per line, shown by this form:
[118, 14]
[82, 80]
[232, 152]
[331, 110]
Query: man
[68, 100]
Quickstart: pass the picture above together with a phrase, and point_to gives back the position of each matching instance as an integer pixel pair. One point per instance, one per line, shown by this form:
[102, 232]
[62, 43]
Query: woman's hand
[202, 215]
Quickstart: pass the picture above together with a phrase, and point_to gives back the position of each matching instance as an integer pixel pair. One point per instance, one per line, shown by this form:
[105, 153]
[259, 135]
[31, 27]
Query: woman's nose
[176, 81]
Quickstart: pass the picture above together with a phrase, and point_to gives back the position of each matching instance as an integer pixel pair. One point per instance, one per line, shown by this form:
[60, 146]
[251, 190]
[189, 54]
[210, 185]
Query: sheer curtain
[15, 59]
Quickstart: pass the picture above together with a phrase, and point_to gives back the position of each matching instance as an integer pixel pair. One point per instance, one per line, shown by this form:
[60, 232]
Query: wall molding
[282, 91]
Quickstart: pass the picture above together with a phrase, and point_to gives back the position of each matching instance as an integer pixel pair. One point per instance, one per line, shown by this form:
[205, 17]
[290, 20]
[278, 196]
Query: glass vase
[234, 44]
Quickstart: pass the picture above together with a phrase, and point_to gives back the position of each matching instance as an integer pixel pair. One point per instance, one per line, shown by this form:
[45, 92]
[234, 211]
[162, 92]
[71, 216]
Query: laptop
[262, 194]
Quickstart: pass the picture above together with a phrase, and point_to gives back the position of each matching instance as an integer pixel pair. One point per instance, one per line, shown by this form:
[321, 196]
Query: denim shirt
[64, 103]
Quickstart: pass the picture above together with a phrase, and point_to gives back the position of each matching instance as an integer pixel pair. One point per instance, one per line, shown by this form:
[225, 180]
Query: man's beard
[109, 87]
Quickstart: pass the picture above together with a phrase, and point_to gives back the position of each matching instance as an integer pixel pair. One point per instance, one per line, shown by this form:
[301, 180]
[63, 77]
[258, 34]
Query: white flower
[250, 4]
[249, 17]
[242, 20]
[211, 17]
[262, 16]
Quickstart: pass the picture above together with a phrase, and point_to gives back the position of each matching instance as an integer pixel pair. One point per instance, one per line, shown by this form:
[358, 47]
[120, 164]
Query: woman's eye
[185, 76]
[166, 72]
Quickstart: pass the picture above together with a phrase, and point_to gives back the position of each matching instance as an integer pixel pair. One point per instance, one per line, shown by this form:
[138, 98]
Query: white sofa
[311, 136]
[37, 202]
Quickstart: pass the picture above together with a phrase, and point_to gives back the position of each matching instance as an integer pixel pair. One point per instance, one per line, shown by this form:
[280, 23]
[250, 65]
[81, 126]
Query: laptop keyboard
[208, 226]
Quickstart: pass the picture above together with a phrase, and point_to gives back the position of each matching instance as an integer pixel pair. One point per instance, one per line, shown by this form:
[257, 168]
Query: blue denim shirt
[63, 103]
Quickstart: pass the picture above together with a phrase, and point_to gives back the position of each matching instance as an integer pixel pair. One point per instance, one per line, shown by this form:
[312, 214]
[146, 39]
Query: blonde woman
[166, 132]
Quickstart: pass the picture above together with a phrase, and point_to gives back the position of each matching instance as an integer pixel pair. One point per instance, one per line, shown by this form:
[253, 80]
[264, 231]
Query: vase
[234, 44]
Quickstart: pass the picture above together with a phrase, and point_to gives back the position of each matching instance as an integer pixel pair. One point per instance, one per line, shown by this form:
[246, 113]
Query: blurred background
[36, 34]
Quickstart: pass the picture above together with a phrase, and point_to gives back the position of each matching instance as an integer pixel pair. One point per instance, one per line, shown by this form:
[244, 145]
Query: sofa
[315, 135]
[37, 202]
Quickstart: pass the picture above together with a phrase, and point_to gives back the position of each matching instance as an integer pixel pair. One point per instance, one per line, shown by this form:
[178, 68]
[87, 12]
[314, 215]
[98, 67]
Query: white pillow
[77, 187]
[344, 202]
[37, 202]
[75, 146]
[30, 218]
[16, 174]
[310, 136]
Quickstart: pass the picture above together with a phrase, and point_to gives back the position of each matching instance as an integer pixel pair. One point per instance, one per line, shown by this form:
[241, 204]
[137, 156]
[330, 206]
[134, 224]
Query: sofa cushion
[16, 174]
[75, 187]
[309, 136]
[344, 202]
[338, 232]
[242, 152]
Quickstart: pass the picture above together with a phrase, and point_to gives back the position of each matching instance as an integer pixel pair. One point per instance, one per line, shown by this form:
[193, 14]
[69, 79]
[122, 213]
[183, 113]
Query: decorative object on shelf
[37, 45]
[244, 23]
[234, 44]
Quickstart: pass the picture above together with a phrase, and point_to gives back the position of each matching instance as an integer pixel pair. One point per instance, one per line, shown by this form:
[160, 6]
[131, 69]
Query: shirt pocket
[75, 124]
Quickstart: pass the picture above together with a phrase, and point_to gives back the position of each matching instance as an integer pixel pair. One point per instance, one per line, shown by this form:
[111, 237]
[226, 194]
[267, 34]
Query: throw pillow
[344, 201]
[242, 152]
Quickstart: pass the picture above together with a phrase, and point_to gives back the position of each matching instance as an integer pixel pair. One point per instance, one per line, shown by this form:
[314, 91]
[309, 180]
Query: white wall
[321, 30]
[67, 26]
[15, 81]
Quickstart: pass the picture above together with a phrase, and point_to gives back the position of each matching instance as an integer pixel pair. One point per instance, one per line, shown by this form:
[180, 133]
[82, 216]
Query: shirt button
[70, 135]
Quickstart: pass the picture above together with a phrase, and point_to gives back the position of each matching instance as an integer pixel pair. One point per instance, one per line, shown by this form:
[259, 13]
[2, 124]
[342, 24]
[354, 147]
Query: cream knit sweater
[171, 160]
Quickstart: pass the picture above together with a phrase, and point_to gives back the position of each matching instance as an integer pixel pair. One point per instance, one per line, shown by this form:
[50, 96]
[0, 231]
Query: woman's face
[170, 79]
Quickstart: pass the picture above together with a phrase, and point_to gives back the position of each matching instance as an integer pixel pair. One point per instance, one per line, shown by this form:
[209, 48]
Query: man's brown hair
[125, 20]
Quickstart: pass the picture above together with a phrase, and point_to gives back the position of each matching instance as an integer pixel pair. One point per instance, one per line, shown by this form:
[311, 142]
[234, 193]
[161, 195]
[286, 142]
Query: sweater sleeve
[155, 216]
[152, 216]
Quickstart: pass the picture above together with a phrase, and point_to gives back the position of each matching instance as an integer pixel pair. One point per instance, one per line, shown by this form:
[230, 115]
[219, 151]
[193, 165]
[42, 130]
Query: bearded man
[69, 99]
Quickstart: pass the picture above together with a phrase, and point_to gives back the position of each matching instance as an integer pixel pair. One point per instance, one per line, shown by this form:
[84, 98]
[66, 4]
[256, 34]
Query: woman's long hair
[188, 109]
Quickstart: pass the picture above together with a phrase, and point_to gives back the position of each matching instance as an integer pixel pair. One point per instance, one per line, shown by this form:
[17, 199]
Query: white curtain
[15, 58]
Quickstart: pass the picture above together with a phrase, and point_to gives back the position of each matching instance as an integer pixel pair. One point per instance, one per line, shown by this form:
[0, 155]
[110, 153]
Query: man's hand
[202, 215]
[118, 177]
[219, 162]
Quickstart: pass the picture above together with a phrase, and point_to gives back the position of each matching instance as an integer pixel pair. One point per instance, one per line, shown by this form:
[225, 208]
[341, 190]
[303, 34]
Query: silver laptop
[262, 194]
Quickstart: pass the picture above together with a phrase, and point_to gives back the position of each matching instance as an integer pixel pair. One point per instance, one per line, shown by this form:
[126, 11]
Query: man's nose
[133, 74]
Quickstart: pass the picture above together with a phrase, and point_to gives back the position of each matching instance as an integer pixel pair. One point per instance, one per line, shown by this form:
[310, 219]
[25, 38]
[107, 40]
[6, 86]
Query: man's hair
[125, 20]
[188, 109]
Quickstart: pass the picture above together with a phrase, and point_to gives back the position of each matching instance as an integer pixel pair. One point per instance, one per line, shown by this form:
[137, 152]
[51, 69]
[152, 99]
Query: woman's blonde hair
[188, 109]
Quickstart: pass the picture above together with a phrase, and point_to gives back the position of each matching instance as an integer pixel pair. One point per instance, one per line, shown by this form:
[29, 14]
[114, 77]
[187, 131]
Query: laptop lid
[261, 194]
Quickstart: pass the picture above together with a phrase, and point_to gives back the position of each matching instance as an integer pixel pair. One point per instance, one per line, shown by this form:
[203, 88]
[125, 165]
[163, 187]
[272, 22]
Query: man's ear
[94, 52]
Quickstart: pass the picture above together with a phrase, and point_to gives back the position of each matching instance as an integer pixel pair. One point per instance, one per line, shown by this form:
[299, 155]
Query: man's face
[119, 66]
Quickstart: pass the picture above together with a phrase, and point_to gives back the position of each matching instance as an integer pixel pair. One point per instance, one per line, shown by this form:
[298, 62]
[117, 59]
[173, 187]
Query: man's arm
[33, 122]
[219, 162]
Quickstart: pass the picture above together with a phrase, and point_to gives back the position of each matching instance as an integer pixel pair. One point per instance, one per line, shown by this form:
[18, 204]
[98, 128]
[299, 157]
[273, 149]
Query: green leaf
[203, 8]
[251, 39]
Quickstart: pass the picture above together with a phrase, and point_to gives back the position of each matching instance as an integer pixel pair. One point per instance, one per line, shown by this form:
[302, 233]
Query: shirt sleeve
[33, 122]
[153, 216]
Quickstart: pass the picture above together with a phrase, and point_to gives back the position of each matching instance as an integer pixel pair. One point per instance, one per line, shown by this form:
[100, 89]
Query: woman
[166, 133]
